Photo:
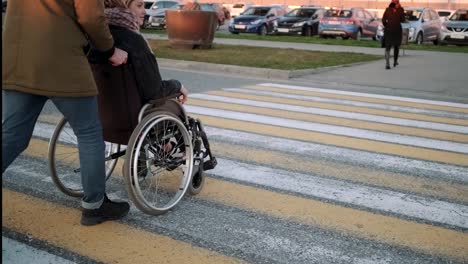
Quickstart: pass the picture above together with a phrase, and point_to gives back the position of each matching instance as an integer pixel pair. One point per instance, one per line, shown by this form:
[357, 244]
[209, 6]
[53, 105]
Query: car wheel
[323, 36]
[436, 42]
[307, 32]
[263, 30]
[235, 33]
[419, 38]
[345, 37]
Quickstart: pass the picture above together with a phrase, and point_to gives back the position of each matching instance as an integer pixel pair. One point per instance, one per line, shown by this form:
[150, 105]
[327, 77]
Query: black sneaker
[109, 210]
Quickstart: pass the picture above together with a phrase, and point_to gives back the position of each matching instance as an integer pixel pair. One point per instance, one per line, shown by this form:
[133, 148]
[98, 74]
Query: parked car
[158, 19]
[348, 23]
[302, 21]
[239, 7]
[215, 7]
[455, 29]
[258, 19]
[444, 14]
[424, 25]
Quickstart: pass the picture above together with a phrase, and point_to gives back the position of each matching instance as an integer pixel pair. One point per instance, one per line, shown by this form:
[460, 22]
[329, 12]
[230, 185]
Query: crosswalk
[305, 175]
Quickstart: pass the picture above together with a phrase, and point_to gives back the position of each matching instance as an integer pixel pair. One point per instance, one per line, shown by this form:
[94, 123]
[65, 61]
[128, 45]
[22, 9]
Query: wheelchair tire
[198, 181]
[158, 179]
[64, 162]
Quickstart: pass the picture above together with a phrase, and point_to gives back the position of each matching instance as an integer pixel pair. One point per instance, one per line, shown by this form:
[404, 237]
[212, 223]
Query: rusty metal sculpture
[190, 27]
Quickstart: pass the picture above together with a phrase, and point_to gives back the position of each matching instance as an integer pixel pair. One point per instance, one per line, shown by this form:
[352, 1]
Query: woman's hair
[117, 3]
[392, 5]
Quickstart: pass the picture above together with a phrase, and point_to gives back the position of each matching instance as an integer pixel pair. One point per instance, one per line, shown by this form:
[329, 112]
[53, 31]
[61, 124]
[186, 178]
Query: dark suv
[303, 21]
[257, 19]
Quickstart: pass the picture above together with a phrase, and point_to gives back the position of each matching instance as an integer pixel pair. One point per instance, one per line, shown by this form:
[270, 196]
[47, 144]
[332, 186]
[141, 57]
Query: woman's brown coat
[43, 44]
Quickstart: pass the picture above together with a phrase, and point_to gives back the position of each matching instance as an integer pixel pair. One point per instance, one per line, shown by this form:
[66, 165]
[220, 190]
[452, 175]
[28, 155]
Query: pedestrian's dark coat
[125, 89]
[392, 19]
[43, 52]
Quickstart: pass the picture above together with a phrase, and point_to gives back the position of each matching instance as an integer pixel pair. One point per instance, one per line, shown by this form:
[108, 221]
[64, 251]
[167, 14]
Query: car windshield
[163, 4]
[256, 11]
[207, 7]
[301, 13]
[412, 15]
[443, 13]
[460, 15]
[338, 13]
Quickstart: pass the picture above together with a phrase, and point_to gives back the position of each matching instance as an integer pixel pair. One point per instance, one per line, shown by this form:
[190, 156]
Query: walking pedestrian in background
[44, 46]
[392, 18]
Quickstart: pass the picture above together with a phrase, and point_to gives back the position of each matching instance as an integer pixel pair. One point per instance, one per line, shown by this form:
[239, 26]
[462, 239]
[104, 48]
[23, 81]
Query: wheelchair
[165, 157]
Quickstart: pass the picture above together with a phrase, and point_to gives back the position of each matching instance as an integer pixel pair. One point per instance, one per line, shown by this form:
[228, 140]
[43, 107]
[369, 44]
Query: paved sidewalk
[436, 73]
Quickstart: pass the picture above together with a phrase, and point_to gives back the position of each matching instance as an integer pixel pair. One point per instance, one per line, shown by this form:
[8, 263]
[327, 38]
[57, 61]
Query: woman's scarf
[122, 17]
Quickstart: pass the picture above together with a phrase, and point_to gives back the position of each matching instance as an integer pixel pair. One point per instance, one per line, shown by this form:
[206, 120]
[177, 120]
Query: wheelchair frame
[195, 150]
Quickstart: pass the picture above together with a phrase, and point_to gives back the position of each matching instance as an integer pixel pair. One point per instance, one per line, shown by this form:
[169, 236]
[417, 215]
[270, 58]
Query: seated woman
[125, 89]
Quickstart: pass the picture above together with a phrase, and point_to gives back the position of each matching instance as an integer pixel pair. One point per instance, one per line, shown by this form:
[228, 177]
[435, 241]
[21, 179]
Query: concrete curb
[241, 70]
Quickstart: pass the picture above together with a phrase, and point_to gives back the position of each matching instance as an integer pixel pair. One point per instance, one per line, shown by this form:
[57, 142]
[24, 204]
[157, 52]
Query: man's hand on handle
[119, 57]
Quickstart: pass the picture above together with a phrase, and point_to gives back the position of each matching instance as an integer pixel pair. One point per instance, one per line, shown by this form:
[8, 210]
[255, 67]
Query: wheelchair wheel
[64, 161]
[198, 180]
[158, 177]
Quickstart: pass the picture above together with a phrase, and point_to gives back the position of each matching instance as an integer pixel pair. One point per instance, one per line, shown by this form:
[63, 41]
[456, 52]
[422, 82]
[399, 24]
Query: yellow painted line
[420, 132]
[359, 98]
[425, 187]
[110, 242]
[398, 232]
[396, 181]
[354, 109]
[340, 141]
[421, 237]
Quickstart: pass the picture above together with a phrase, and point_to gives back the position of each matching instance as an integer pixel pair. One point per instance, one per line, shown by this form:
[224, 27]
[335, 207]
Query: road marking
[397, 100]
[332, 129]
[373, 198]
[428, 238]
[275, 92]
[340, 141]
[110, 242]
[362, 110]
[377, 123]
[395, 181]
[444, 172]
[345, 192]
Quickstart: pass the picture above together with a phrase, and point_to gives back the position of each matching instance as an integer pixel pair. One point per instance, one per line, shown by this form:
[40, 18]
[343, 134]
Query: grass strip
[260, 57]
[338, 41]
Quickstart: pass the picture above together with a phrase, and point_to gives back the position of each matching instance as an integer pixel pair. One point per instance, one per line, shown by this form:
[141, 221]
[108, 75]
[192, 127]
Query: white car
[444, 14]
[238, 8]
[455, 29]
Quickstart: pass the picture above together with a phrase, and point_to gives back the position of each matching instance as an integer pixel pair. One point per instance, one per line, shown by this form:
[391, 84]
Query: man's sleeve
[90, 15]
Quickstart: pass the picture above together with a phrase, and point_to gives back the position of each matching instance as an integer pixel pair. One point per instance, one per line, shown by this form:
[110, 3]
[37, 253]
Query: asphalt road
[304, 176]
[311, 170]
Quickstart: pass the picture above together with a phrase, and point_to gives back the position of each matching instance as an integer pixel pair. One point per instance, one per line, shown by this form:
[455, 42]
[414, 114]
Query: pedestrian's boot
[395, 56]
[108, 211]
[387, 59]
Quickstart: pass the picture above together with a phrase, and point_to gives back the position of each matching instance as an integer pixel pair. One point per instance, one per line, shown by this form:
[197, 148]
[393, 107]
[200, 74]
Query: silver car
[455, 29]
[424, 25]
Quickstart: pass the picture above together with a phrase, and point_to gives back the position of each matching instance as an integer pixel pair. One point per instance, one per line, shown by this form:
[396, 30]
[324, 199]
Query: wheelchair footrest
[210, 164]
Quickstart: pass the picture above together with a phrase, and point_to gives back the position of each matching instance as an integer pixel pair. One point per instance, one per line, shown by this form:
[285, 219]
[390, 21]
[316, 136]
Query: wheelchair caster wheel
[198, 180]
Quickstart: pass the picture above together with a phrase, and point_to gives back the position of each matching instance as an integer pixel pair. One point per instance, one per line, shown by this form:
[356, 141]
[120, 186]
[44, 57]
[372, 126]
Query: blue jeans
[20, 113]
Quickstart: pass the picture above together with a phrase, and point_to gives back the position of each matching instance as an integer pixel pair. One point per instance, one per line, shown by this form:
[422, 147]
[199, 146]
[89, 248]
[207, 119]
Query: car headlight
[256, 21]
[231, 22]
[444, 28]
[380, 27]
[411, 31]
[298, 24]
